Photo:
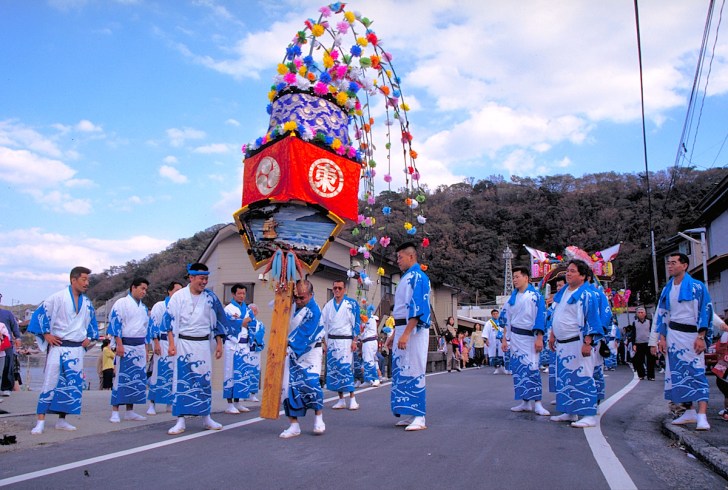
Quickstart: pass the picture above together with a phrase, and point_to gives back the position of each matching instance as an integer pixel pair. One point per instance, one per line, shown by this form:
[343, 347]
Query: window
[685, 248]
[386, 285]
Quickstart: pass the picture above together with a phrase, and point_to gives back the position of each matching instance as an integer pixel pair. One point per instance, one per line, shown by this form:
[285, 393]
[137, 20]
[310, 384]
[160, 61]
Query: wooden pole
[276, 353]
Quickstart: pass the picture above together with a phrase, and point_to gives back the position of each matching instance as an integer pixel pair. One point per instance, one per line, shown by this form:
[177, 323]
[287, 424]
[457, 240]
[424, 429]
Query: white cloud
[34, 254]
[172, 174]
[86, 126]
[26, 168]
[80, 183]
[256, 52]
[232, 122]
[513, 75]
[170, 160]
[177, 137]
[213, 148]
[17, 135]
[61, 201]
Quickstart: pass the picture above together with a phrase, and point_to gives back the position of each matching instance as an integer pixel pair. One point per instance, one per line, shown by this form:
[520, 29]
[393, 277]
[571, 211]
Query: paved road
[473, 441]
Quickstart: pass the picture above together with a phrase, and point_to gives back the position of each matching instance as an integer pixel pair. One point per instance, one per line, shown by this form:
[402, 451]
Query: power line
[644, 147]
[690, 113]
[707, 79]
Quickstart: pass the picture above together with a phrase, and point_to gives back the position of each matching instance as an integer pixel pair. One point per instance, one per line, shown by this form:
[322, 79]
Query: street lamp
[703, 247]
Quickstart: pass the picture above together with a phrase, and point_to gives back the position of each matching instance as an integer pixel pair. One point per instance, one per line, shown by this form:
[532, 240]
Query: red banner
[295, 169]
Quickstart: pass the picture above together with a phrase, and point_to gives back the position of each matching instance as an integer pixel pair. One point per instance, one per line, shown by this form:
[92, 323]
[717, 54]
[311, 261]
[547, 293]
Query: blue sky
[121, 121]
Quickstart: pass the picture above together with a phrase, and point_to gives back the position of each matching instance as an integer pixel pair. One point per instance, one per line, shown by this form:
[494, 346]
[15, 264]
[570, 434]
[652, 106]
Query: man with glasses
[303, 391]
[340, 317]
[684, 322]
[410, 340]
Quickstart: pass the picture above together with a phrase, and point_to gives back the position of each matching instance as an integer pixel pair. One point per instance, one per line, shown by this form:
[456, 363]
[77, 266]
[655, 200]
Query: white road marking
[615, 474]
[612, 469]
[147, 447]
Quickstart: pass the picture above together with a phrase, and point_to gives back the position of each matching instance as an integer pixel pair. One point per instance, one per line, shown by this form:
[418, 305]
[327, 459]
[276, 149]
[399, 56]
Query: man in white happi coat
[410, 341]
[524, 318]
[369, 345]
[194, 314]
[302, 388]
[129, 325]
[493, 333]
[160, 382]
[685, 325]
[340, 317]
[65, 324]
[256, 333]
[238, 375]
[575, 328]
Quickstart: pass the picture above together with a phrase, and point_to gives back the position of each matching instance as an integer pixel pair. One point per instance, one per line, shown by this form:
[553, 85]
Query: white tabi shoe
[540, 410]
[38, 429]
[253, 398]
[689, 417]
[353, 405]
[115, 419]
[552, 402]
[584, 422]
[417, 424]
[524, 406]
[376, 382]
[133, 416]
[319, 427]
[178, 428]
[151, 411]
[404, 421]
[702, 422]
[341, 404]
[63, 425]
[242, 408]
[210, 424]
[293, 431]
[564, 417]
[232, 409]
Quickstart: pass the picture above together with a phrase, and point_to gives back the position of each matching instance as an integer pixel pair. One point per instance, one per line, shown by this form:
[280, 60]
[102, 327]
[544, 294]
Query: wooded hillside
[469, 225]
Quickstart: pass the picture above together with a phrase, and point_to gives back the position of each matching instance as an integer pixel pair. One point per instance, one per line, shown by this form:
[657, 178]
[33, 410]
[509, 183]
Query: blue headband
[196, 273]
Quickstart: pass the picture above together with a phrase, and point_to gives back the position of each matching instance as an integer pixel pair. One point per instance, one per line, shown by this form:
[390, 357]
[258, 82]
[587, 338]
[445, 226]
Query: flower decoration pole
[316, 156]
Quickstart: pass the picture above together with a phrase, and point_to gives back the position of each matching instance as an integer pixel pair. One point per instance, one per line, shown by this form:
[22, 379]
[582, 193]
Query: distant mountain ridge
[469, 225]
[159, 268]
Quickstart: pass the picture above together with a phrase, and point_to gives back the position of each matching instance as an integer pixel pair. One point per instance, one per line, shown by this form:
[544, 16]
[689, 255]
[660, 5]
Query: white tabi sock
[39, 428]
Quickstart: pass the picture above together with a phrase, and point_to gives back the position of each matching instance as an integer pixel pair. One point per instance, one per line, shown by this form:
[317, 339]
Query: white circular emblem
[325, 177]
[267, 175]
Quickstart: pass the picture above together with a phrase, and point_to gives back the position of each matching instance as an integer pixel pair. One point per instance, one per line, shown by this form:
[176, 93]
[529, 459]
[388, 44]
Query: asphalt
[711, 446]
[93, 424]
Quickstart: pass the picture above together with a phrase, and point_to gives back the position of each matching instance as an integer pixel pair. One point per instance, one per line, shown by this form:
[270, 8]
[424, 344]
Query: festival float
[314, 170]
[546, 267]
